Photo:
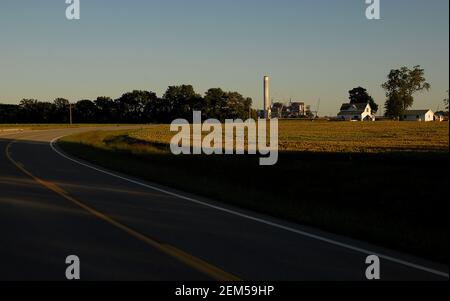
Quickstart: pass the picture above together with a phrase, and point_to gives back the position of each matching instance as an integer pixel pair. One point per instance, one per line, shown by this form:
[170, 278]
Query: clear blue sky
[311, 48]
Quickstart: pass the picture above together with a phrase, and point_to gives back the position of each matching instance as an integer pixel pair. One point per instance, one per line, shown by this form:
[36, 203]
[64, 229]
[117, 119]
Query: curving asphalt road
[53, 206]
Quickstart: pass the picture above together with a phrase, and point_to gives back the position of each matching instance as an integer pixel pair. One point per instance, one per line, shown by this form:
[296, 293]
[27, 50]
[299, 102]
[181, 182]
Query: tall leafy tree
[61, 110]
[215, 101]
[227, 105]
[182, 101]
[9, 113]
[401, 86]
[157, 110]
[29, 111]
[238, 106]
[105, 110]
[46, 112]
[131, 106]
[85, 111]
[393, 106]
[61, 103]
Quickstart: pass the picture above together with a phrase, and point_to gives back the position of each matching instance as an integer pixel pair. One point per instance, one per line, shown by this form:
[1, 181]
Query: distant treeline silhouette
[133, 107]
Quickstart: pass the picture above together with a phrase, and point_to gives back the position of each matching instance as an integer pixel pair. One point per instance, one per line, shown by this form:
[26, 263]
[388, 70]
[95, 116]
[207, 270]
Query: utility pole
[70, 113]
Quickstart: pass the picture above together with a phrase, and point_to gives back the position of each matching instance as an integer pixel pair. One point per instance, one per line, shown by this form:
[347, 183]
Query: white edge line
[303, 233]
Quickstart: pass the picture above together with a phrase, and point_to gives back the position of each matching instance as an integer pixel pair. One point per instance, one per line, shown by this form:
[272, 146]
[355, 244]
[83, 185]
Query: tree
[85, 111]
[277, 109]
[227, 105]
[237, 106]
[215, 103]
[401, 86]
[61, 110]
[360, 95]
[61, 103]
[46, 112]
[131, 106]
[157, 110]
[9, 113]
[393, 106]
[182, 101]
[29, 111]
[105, 110]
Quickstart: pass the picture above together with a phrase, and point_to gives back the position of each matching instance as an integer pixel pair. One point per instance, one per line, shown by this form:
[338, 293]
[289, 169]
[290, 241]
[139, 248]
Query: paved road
[122, 229]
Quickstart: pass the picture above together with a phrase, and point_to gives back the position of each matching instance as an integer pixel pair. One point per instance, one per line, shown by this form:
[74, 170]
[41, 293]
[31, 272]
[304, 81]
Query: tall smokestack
[267, 108]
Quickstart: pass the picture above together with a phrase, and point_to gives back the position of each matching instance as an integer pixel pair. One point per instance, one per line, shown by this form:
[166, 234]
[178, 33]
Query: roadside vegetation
[6, 127]
[383, 182]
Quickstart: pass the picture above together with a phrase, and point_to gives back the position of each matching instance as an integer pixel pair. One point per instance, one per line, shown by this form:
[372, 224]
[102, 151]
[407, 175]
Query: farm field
[323, 136]
[381, 182]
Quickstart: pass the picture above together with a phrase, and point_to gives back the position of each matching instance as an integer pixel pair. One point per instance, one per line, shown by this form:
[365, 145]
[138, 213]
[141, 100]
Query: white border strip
[303, 233]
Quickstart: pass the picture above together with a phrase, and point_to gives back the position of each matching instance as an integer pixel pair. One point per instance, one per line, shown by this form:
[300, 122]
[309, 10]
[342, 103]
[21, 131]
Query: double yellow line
[190, 260]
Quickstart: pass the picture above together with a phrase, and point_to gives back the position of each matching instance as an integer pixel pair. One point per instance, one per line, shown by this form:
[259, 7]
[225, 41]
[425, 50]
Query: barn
[418, 115]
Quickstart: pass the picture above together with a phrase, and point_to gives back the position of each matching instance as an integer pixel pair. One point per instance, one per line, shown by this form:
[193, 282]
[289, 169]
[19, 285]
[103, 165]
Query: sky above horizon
[311, 49]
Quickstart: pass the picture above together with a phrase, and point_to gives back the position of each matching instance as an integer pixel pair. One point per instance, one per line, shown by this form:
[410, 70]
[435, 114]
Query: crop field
[322, 136]
[381, 182]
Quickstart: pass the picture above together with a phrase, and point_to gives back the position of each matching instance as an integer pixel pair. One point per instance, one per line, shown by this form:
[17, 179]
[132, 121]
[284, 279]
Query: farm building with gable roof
[418, 115]
[358, 111]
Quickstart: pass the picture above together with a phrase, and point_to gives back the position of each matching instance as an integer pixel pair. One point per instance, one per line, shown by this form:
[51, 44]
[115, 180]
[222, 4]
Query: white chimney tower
[267, 104]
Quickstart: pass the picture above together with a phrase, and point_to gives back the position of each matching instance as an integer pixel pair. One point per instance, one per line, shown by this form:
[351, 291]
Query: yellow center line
[186, 258]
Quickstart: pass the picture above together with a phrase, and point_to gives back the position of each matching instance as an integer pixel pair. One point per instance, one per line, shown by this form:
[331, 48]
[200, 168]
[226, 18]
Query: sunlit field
[322, 136]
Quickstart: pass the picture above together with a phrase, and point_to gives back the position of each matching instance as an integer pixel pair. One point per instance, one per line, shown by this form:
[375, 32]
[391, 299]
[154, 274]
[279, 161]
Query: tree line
[179, 102]
[133, 107]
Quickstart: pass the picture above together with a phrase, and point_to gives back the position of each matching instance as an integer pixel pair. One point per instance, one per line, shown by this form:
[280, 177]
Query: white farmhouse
[357, 112]
[418, 115]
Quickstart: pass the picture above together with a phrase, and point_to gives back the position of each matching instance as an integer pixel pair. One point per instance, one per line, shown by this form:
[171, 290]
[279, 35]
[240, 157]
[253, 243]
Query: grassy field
[307, 136]
[383, 182]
